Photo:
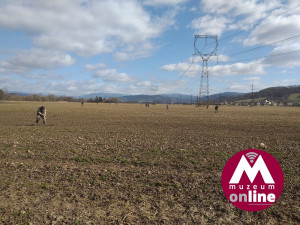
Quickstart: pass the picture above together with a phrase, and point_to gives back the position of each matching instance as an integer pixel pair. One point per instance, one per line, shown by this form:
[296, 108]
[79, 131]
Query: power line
[289, 9]
[284, 12]
[252, 49]
[239, 32]
[235, 61]
[224, 38]
[241, 60]
[187, 69]
[232, 35]
[265, 45]
[278, 54]
[282, 53]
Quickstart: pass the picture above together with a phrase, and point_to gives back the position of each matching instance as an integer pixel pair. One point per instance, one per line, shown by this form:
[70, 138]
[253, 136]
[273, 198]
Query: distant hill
[18, 93]
[100, 94]
[162, 98]
[275, 94]
[289, 94]
[281, 93]
[225, 95]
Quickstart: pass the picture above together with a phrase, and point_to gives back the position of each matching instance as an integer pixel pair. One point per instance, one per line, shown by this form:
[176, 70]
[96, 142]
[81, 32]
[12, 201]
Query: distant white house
[268, 102]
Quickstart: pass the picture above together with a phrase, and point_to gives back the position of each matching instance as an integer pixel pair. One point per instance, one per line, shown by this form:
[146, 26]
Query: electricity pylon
[206, 52]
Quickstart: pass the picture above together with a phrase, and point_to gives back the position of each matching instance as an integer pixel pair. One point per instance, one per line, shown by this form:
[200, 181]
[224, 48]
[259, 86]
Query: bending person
[41, 113]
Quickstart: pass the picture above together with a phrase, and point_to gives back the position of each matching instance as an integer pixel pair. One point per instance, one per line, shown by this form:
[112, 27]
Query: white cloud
[29, 60]
[62, 87]
[218, 58]
[45, 76]
[286, 82]
[273, 29]
[239, 87]
[237, 14]
[188, 69]
[111, 75]
[284, 56]
[218, 6]
[255, 67]
[75, 88]
[250, 9]
[88, 28]
[175, 86]
[95, 66]
[4, 79]
[193, 9]
[184, 68]
[139, 87]
[163, 2]
[131, 53]
[146, 87]
[252, 78]
[210, 25]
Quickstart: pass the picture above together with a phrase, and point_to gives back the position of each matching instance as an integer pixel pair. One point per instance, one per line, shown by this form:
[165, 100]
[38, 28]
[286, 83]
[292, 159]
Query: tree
[112, 100]
[2, 94]
[69, 99]
[90, 100]
[52, 98]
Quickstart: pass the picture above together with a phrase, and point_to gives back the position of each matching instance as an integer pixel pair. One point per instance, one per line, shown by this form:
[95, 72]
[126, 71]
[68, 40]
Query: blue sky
[76, 47]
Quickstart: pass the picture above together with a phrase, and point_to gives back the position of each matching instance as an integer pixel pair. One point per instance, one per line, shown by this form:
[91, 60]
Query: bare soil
[128, 164]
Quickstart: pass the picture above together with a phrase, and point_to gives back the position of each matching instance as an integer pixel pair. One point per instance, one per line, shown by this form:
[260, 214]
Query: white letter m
[251, 172]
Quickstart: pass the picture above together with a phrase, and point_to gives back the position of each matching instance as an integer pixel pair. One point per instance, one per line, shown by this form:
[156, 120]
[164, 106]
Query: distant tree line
[38, 98]
[35, 97]
[51, 98]
[104, 100]
[96, 99]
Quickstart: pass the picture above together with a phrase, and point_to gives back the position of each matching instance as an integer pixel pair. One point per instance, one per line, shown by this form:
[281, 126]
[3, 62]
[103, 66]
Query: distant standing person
[216, 109]
[82, 103]
[41, 113]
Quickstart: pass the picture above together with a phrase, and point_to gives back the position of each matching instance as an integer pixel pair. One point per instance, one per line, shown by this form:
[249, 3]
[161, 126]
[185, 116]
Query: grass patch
[294, 98]
[81, 159]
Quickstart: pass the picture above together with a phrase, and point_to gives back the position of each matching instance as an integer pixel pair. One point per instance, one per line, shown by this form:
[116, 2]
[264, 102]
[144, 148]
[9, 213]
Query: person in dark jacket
[41, 113]
[216, 108]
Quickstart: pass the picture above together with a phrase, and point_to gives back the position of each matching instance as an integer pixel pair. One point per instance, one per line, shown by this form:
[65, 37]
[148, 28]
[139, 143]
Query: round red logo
[252, 180]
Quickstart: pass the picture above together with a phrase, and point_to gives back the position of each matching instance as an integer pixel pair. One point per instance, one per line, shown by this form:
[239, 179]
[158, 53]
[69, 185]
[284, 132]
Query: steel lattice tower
[205, 55]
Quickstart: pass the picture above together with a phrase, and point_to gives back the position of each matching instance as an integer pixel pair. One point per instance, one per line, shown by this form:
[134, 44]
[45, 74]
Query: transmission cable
[265, 45]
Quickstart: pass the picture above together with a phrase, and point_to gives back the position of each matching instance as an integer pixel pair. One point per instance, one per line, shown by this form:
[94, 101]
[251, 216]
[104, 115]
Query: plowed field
[128, 164]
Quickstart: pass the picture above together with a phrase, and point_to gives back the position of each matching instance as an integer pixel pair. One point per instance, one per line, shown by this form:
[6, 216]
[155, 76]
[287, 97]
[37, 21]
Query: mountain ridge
[277, 94]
